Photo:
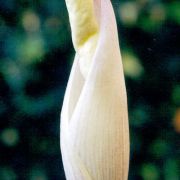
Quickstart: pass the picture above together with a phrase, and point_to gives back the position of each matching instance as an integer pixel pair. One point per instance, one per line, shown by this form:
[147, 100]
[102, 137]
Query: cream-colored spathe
[94, 120]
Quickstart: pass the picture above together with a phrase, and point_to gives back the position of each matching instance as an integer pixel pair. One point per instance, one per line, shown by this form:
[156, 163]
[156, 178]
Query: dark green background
[36, 55]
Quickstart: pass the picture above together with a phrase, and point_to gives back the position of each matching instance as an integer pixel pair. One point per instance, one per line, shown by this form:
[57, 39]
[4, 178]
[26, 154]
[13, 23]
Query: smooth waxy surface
[94, 120]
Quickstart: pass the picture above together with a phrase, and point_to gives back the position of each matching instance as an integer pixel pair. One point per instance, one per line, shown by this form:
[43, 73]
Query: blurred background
[36, 55]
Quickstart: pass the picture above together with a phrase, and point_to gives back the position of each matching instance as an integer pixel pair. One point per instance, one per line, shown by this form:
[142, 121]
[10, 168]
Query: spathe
[94, 120]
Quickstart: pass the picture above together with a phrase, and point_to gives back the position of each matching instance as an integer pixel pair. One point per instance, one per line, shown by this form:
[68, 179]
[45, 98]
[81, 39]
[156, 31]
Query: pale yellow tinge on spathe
[85, 30]
[83, 21]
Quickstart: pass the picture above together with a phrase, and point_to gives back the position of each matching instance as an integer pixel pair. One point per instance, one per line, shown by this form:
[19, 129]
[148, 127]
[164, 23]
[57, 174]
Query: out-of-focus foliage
[35, 59]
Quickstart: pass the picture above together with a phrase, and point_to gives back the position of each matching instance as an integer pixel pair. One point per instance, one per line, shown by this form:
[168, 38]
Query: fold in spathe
[94, 120]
